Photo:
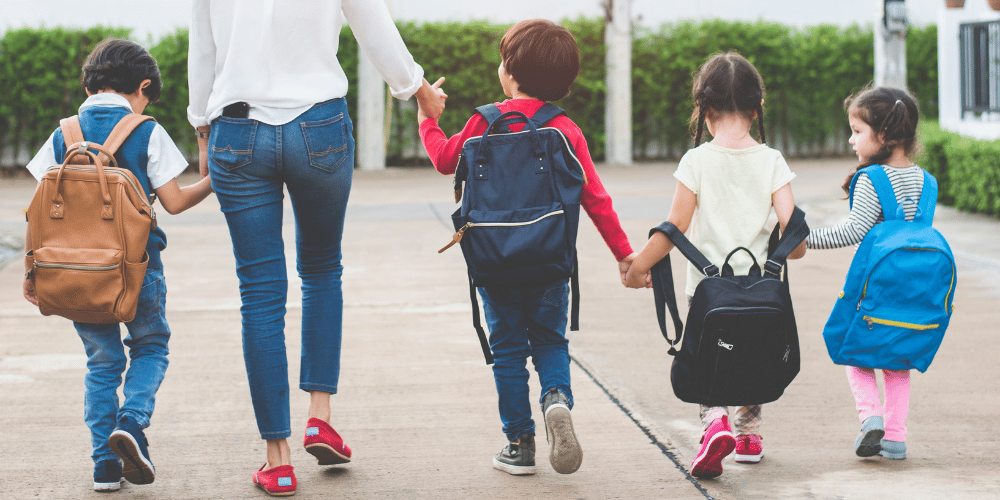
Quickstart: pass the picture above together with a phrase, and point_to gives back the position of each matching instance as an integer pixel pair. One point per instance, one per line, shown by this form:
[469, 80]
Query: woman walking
[267, 99]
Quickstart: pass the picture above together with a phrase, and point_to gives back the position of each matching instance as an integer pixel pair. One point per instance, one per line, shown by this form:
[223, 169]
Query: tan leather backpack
[89, 225]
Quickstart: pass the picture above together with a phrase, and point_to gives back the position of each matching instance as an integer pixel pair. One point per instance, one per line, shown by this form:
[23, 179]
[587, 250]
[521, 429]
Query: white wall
[949, 85]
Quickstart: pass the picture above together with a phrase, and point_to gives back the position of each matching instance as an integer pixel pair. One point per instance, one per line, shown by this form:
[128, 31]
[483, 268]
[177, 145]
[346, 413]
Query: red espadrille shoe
[277, 481]
[325, 444]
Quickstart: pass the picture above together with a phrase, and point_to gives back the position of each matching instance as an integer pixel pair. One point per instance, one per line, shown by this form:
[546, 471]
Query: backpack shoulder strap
[795, 231]
[928, 199]
[545, 113]
[121, 132]
[491, 112]
[664, 298]
[883, 187]
[684, 245]
[72, 134]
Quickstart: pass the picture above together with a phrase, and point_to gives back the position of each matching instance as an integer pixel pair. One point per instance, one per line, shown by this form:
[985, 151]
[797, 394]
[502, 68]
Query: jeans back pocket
[232, 142]
[326, 142]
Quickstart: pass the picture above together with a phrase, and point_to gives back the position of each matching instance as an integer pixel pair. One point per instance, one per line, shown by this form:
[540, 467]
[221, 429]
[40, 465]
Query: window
[979, 47]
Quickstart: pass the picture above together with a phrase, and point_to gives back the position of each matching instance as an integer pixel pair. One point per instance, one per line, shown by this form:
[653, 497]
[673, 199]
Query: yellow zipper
[888, 322]
[457, 237]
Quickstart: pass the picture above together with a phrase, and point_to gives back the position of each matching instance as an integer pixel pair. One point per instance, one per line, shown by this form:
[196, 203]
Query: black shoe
[565, 454]
[107, 475]
[518, 457]
[129, 443]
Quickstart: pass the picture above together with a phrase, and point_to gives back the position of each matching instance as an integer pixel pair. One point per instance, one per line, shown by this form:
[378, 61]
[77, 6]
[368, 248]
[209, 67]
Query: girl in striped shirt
[883, 132]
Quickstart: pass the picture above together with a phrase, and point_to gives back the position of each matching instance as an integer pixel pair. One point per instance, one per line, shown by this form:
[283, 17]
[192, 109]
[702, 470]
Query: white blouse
[280, 56]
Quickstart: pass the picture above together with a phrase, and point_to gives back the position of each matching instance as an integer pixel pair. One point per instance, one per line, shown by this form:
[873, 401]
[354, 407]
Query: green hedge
[968, 170]
[807, 72]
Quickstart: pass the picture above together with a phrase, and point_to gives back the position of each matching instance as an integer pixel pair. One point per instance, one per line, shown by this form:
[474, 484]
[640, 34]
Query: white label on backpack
[728, 347]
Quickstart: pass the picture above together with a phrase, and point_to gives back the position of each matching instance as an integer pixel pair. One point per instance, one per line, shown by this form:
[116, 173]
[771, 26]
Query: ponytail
[702, 111]
[892, 114]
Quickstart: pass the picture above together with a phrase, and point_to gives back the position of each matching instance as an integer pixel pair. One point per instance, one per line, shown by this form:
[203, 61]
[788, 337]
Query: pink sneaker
[717, 443]
[749, 449]
[325, 444]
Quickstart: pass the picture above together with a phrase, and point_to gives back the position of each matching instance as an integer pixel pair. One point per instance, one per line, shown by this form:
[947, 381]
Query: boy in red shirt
[540, 60]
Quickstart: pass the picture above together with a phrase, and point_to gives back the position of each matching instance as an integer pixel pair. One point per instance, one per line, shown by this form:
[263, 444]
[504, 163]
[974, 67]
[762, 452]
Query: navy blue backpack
[520, 208]
[899, 293]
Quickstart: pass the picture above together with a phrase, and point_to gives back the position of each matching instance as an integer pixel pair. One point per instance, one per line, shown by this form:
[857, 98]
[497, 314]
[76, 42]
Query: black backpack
[741, 346]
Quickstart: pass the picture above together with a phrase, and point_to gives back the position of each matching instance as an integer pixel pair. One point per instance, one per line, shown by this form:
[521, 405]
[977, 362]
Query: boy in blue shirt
[120, 78]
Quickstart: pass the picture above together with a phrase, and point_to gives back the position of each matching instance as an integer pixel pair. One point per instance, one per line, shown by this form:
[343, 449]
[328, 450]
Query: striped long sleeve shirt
[866, 211]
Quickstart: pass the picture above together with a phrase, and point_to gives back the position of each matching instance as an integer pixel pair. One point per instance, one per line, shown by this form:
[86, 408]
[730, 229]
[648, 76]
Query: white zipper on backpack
[457, 237]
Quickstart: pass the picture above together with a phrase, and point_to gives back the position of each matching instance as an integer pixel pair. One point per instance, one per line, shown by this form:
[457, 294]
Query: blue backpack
[520, 209]
[898, 296]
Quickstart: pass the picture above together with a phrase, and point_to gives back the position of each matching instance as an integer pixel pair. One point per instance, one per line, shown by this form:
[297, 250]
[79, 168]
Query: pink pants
[897, 398]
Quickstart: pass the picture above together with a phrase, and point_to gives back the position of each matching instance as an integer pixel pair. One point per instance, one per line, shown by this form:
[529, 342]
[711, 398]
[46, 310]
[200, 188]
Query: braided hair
[892, 114]
[727, 84]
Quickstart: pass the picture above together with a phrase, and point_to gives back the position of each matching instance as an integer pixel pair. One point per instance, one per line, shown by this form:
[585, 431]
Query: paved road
[418, 405]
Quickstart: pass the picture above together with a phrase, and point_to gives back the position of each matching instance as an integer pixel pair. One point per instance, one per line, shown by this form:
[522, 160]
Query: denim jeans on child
[522, 323]
[147, 338]
[251, 163]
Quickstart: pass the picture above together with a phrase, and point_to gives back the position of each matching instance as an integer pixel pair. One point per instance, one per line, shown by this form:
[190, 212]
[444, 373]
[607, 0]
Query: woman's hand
[430, 101]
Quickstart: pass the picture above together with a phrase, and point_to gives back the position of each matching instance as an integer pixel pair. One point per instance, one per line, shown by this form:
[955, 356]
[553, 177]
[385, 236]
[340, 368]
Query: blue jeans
[250, 164]
[522, 323]
[147, 338]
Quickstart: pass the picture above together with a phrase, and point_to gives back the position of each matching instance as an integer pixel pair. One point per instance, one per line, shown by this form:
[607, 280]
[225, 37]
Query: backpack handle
[496, 124]
[58, 210]
[727, 270]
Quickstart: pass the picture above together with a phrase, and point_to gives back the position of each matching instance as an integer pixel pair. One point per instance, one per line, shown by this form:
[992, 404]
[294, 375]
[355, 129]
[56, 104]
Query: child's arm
[681, 213]
[864, 214]
[443, 150]
[176, 199]
[784, 205]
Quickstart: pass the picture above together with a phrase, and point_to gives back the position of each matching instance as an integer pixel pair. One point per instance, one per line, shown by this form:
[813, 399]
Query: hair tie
[897, 102]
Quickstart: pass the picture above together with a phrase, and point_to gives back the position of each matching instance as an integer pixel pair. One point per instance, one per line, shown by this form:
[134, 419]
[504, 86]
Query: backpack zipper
[888, 322]
[75, 267]
[457, 237]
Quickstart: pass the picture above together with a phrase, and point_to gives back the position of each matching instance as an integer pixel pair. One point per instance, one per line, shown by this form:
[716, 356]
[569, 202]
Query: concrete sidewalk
[418, 405]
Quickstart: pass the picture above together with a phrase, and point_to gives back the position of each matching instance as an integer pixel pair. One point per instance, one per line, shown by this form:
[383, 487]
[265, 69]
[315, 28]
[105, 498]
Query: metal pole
[618, 64]
[371, 115]
[890, 43]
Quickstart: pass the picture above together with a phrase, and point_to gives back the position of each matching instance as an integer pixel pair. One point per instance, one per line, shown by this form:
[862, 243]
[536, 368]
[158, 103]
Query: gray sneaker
[893, 449]
[869, 441]
[565, 454]
[518, 457]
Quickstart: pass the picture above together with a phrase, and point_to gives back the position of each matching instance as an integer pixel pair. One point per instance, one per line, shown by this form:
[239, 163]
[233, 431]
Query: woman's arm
[201, 63]
[784, 205]
[378, 37]
[681, 213]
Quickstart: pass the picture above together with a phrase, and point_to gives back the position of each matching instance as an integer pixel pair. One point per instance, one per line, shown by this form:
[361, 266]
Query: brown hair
[727, 83]
[121, 65]
[892, 114]
[542, 57]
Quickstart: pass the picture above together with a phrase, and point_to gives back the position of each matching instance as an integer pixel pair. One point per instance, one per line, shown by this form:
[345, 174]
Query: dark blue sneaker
[129, 443]
[108, 475]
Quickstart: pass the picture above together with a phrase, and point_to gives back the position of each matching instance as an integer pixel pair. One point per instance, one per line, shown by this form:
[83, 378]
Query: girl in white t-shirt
[725, 192]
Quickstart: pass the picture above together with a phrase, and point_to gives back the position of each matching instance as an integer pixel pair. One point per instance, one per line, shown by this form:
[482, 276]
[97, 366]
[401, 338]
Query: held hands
[430, 101]
[623, 267]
